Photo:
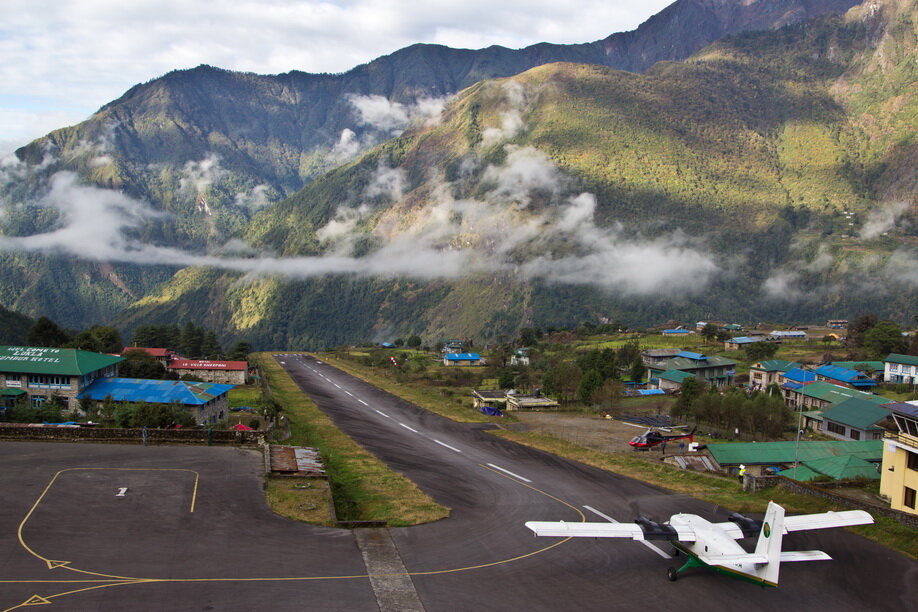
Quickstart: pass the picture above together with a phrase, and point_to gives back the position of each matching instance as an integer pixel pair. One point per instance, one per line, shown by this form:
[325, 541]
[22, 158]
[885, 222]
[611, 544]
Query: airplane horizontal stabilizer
[826, 520]
[739, 558]
[586, 530]
[804, 555]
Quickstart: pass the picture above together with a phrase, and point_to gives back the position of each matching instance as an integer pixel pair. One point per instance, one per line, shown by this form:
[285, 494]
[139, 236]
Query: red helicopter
[651, 438]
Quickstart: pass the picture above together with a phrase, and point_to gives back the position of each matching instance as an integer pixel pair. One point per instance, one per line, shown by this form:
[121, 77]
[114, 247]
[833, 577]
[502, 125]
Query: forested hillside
[749, 181]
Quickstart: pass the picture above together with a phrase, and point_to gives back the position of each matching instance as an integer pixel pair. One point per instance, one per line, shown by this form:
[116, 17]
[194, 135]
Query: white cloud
[256, 199]
[527, 170]
[885, 219]
[390, 182]
[197, 176]
[111, 45]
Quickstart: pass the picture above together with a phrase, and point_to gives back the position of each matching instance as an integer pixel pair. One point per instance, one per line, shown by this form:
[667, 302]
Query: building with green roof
[714, 370]
[854, 419]
[671, 380]
[847, 467]
[768, 372]
[901, 369]
[757, 456]
[40, 373]
[821, 394]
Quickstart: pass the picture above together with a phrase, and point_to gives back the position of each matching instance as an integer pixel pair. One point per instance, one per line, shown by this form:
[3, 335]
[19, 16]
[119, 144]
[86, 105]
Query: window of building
[38, 400]
[912, 461]
[894, 367]
[909, 498]
[854, 434]
[835, 428]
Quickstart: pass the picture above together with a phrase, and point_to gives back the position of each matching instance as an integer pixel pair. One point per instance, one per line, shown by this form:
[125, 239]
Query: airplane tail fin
[769, 543]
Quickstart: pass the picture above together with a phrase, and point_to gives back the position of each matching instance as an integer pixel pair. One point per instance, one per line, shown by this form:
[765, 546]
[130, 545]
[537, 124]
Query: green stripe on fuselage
[695, 561]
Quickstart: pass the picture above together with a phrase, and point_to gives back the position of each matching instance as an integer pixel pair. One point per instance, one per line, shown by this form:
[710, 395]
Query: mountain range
[650, 175]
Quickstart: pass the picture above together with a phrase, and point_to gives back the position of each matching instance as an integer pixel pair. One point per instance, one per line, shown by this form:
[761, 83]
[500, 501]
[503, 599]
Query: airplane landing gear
[672, 574]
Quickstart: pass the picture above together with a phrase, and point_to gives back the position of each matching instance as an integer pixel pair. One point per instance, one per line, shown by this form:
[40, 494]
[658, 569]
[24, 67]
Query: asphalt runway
[192, 530]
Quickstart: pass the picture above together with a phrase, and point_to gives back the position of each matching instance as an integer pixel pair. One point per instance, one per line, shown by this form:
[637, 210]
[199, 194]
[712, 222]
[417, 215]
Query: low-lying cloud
[885, 219]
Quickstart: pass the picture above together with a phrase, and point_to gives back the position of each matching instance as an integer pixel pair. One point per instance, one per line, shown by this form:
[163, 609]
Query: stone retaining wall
[10, 431]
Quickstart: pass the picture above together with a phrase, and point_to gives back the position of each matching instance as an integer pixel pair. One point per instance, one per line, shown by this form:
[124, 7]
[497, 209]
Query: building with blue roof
[206, 401]
[845, 377]
[735, 344]
[462, 359]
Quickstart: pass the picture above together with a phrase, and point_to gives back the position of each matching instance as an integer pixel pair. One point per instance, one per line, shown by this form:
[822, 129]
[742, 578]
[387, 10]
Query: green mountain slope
[764, 152]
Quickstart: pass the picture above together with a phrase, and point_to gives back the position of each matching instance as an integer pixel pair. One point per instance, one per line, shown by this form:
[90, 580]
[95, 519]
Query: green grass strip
[364, 488]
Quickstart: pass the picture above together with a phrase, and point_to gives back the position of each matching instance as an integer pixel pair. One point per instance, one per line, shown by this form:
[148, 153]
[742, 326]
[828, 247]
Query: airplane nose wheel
[672, 574]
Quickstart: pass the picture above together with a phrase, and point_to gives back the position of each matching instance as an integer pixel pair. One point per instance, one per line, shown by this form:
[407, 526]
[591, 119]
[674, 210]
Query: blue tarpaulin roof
[491, 411]
[651, 392]
[690, 355]
[154, 391]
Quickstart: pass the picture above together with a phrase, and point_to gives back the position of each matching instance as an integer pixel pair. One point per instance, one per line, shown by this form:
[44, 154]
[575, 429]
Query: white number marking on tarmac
[452, 448]
[383, 413]
[497, 467]
[121, 491]
[409, 428]
[645, 543]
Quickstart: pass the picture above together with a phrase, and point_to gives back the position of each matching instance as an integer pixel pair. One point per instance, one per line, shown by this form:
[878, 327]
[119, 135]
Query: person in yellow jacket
[742, 472]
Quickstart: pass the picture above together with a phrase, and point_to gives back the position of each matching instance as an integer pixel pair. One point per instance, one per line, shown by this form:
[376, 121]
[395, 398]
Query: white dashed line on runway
[497, 467]
[452, 448]
[409, 428]
[384, 414]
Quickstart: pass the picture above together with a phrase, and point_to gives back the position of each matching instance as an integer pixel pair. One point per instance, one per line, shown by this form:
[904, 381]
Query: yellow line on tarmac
[66, 565]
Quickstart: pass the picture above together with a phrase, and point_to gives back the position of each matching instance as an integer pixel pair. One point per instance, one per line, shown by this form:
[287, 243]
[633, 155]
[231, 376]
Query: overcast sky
[60, 60]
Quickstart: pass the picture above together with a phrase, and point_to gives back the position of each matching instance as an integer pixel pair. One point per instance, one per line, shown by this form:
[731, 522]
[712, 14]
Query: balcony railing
[903, 439]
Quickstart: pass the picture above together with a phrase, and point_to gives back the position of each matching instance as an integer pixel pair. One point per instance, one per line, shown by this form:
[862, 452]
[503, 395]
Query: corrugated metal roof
[799, 375]
[775, 365]
[691, 355]
[156, 352]
[154, 391]
[904, 408]
[801, 473]
[745, 340]
[12, 392]
[846, 467]
[856, 412]
[65, 362]
[906, 359]
[774, 453]
[852, 377]
[462, 357]
[835, 394]
[675, 376]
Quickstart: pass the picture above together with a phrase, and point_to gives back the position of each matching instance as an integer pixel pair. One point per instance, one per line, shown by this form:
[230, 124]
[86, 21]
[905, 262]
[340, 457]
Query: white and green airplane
[714, 545]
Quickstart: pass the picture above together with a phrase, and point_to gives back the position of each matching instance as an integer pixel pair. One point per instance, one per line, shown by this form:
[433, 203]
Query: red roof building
[223, 372]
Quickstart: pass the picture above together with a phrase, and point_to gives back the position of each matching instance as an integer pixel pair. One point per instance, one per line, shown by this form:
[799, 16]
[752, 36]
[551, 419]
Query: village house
[845, 377]
[901, 369]
[652, 357]
[769, 372]
[462, 359]
[207, 402]
[162, 355]
[820, 395]
[810, 455]
[495, 399]
[735, 344]
[38, 374]
[223, 372]
[899, 474]
[854, 419]
[715, 370]
[520, 357]
[530, 402]
[677, 332]
[671, 380]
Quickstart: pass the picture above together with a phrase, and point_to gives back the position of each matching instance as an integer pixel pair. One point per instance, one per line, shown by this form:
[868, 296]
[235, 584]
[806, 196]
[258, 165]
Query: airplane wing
[608, 530]
[801, 522]
[826, 520]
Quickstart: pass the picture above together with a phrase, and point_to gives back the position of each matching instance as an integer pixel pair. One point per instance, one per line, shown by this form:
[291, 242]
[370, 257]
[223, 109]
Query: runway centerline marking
[409, 428]
[452, 448]
[645, 543]
[363, 402]
[497, 467]
[384, 414]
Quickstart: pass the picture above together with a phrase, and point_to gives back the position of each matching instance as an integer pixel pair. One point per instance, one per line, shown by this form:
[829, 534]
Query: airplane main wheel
[672, 574]
[676, 552]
